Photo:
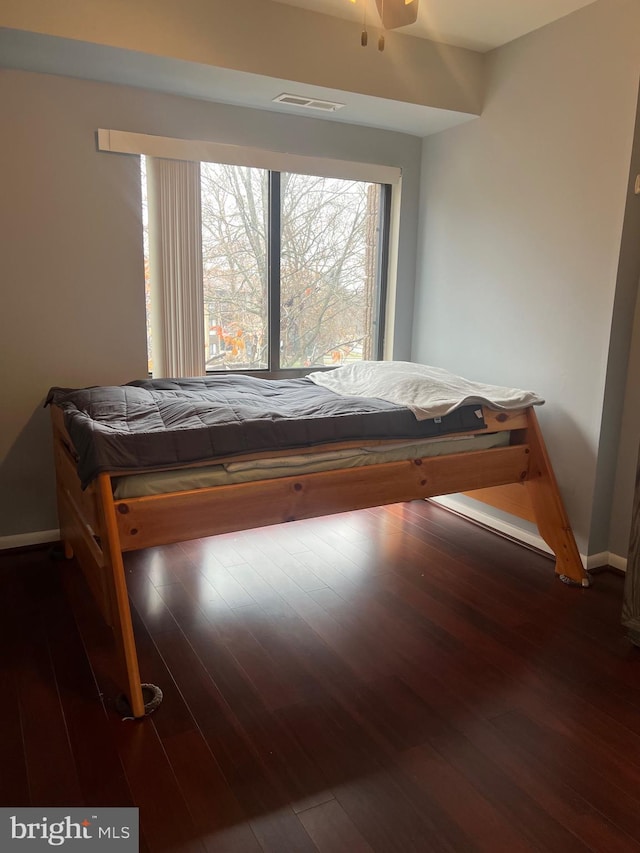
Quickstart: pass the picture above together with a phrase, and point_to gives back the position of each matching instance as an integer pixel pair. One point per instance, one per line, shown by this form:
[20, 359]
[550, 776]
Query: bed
[162, 461]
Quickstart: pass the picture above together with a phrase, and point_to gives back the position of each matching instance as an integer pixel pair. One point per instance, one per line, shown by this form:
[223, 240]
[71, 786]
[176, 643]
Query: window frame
[388, 177]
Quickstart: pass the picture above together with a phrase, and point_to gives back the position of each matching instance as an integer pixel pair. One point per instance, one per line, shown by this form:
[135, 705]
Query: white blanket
[429, 392]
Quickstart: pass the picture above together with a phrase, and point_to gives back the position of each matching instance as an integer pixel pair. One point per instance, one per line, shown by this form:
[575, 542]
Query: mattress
[174, 423]
[186, 479]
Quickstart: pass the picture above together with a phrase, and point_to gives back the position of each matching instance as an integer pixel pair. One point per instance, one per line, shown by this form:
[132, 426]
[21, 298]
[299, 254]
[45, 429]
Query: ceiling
[476, 24]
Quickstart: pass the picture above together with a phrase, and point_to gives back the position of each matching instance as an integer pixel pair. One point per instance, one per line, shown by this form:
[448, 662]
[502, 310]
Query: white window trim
[124, 142]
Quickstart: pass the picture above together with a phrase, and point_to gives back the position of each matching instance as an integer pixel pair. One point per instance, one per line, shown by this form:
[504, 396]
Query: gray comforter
[165, 423]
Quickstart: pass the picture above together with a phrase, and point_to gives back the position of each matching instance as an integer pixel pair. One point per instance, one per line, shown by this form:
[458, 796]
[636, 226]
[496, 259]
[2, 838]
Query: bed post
[548, 508]
[122, 626]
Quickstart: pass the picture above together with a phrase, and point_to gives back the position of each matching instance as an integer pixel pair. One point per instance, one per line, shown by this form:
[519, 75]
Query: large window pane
[329, 270]
[234, 257]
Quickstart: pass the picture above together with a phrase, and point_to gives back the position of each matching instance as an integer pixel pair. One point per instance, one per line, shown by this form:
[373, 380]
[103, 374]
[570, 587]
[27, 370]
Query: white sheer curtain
[175, 268]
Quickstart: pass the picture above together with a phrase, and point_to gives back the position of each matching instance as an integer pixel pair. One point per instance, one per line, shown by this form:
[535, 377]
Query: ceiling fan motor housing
[397, 13]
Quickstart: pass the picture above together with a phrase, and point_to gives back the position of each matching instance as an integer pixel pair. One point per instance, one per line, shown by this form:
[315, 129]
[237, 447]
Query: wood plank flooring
[395, 679]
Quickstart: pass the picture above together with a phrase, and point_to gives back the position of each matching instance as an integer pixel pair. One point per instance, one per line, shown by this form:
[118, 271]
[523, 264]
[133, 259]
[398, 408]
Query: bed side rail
[157, 519]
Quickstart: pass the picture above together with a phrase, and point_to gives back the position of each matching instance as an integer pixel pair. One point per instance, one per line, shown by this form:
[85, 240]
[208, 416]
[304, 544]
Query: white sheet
[187, 479]
[430, 392]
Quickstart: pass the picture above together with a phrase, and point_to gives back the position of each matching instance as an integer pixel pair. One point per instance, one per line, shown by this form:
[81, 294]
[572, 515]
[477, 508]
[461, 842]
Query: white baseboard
[24, 540]
[596, 561]
[617, 562]
[497, 524]
[533, 540]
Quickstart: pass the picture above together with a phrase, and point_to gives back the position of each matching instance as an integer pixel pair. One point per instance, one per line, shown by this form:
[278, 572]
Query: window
[258, 260]
[235, 247]
[292, 268]
[331, 272]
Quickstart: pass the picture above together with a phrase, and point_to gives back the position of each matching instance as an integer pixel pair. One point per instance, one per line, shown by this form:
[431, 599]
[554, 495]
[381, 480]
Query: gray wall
[71, 247]
[619, 438]
[521, 221]
[628, 455]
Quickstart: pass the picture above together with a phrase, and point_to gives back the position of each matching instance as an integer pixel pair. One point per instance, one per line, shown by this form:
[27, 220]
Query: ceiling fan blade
[397, 13]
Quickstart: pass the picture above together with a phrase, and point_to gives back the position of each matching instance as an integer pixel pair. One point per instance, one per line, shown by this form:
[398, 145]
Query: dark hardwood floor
[395, 679]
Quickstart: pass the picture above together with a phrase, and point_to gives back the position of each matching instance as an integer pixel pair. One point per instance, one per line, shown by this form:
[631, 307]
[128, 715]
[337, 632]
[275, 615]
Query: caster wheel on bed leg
[152, 696]
[585, 582]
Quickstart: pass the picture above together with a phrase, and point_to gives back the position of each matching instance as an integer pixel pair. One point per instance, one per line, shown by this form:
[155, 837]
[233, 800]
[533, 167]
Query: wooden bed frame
[97, 529]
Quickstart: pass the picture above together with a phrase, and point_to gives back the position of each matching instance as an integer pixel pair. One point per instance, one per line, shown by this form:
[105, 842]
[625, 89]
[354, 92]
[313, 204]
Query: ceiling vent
[308, 103]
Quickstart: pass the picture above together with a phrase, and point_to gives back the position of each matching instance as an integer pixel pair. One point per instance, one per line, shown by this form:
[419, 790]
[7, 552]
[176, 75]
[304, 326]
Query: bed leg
[122, 625]
[550, 514]
[61, 551]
